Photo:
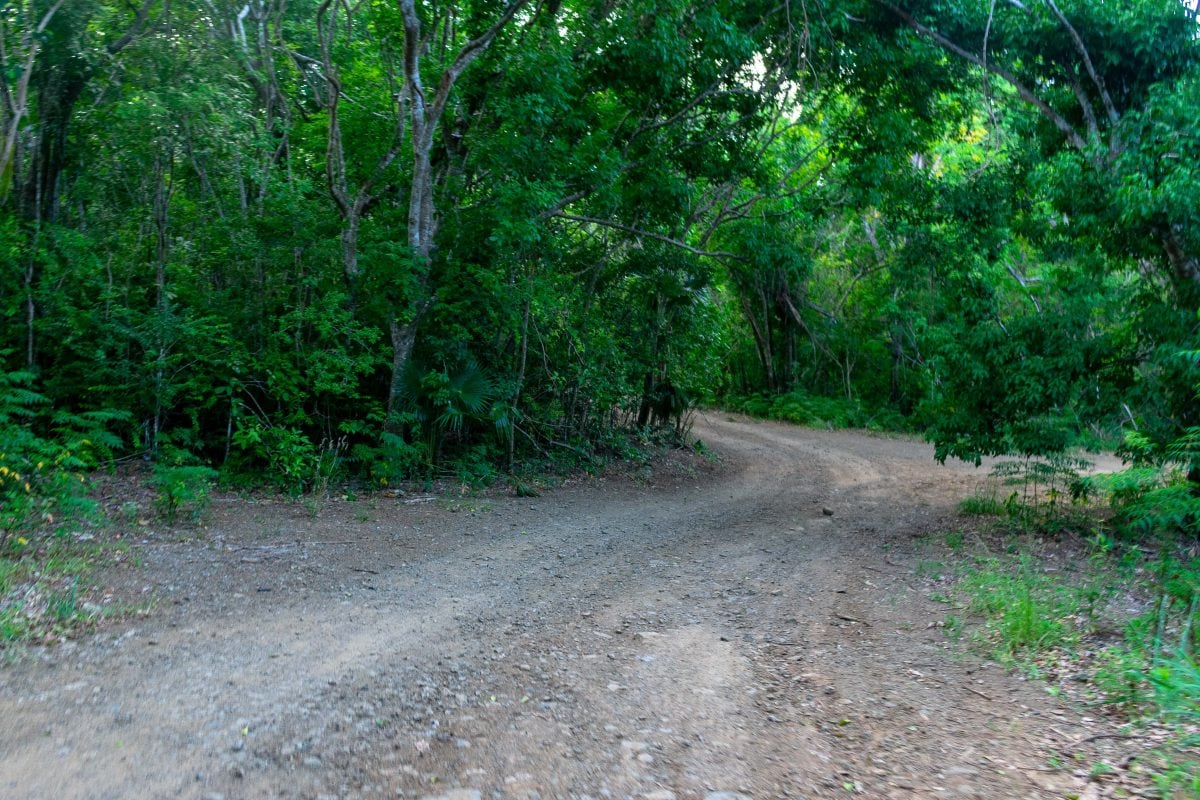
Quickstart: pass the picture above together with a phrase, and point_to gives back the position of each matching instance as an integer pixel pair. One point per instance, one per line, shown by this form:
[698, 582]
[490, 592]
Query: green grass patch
[983, 503]
[1026, 610]
[1123, 617]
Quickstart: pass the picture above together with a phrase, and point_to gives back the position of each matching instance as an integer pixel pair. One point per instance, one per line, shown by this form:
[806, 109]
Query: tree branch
[987, 85]
[471, 51]
[1085, 105]
[1060, 122]
[139, 25]
[18, 101]
[648, 234]
[335, 162]
[1105, 97]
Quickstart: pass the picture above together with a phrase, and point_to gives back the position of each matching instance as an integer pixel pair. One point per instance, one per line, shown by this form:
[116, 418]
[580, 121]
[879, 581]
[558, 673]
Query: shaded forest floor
[755, 628]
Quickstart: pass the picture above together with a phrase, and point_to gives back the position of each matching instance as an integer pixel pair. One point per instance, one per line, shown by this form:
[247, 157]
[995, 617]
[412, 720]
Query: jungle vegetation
[392, 239]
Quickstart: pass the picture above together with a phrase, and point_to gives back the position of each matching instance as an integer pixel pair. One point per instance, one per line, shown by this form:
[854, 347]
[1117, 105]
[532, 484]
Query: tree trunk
[15, 100]
[162, 221]
[643, 418]
[1185, 264]
[350, 252]
[424, 115]
[896, 347]
[520, 383]
[30, 307]
[761, 343]
[404, 337]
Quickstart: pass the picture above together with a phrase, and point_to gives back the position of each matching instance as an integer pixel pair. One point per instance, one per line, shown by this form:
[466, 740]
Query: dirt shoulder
[751, 629]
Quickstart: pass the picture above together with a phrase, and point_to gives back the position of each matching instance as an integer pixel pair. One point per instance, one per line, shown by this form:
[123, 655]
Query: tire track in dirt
[715, 632]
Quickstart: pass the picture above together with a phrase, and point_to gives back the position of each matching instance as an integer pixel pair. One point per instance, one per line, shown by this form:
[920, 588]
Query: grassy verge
[1107, 619]
[1111, 633]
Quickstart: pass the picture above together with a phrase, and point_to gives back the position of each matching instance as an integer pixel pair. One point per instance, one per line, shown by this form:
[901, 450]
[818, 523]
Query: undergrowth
[802, 408]
[48, 545]
[1102, 604]
[46, 589]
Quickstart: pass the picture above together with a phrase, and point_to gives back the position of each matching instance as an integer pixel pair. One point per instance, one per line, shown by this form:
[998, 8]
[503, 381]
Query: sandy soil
[753, 629]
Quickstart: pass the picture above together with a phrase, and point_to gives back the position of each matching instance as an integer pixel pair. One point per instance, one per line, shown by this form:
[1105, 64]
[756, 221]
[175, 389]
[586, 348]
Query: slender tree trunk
[15, 100]
[162, 221]
[585, 315]
[761, 344]
[1186, 264]
[896, 347]
[350, 251]
[243, 196]
[643, 417]
[789, 377]
[521, 364]
[30, 309]
[650, 380]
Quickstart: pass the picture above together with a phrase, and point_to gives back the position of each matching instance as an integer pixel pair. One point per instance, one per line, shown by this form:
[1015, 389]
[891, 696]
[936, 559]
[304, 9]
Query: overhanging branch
[696, 251]
[1073, 136]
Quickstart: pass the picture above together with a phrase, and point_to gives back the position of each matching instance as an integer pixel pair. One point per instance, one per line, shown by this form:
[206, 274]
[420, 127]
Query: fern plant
[44, 455]
[1155, 496]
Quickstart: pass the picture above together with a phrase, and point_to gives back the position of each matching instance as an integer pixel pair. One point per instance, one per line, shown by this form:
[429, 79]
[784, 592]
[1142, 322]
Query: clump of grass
[984, 503]
[1176, 685]
[1026, 610]
[1174, 682]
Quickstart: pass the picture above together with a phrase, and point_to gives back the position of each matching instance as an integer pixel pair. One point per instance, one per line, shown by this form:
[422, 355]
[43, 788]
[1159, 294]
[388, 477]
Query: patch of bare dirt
[751, 630]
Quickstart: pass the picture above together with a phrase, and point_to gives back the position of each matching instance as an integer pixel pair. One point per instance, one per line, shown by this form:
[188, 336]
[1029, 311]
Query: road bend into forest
[758, 628]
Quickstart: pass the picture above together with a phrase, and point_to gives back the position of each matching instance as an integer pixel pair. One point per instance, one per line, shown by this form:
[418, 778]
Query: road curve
[754, 629]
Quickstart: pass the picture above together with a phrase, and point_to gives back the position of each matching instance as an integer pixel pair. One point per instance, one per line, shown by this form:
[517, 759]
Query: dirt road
[749, 630]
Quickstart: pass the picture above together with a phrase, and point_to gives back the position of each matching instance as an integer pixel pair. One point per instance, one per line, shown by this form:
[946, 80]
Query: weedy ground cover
[1104, 612]
[47, 588]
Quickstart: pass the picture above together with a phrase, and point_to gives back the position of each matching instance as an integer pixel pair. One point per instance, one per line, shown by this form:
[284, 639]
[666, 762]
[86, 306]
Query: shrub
[290, 458]
[801, 408]
[182, 489]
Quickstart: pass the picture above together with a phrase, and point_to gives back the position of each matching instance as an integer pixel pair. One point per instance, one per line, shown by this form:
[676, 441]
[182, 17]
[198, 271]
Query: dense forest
[387, 239]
